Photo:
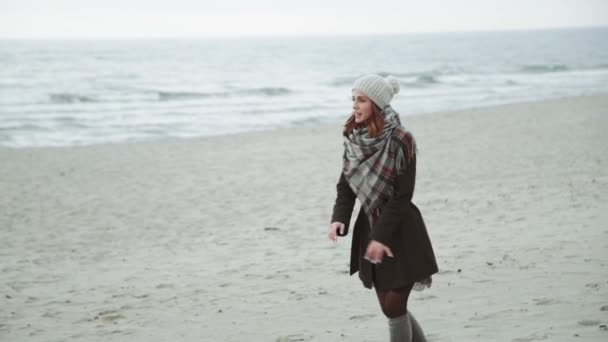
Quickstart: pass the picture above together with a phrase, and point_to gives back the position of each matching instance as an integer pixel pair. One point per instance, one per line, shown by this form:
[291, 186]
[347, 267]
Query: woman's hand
[332, 231]
[375, 251]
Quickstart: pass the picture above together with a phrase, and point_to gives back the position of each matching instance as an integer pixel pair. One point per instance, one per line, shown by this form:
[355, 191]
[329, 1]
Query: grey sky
[188, 18]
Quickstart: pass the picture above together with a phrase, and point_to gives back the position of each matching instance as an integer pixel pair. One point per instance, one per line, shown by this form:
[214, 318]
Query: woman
[391, 248]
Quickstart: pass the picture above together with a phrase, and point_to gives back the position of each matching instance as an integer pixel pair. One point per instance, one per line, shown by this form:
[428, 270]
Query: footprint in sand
[425, 297]
[296, 296]
[274, 276]
[52, 314]
[482, 281]
[533, 337]
[363, 317]
[31, 299]
[109, 316]
[253, 275]
[588, 322]
[294, 338]
[545, 301]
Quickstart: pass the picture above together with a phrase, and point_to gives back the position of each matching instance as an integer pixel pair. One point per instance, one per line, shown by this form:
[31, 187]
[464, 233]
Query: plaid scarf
[371, 165]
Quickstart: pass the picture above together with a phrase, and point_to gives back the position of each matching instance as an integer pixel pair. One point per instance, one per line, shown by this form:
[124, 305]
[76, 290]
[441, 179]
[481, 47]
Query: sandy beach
[225, 238]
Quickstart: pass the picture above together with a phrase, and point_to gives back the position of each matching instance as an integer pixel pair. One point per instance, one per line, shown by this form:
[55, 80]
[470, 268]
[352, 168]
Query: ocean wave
[269, 91]
[542, 68]
[405, 74]
[300, 108]
[599, 67]
[24, 127]
[181, 95]
[435, 72]
[342, 81]
[70, 98]
[313, 120]
[70, 121]
[418, 79]
[423, 80]
[346, 81]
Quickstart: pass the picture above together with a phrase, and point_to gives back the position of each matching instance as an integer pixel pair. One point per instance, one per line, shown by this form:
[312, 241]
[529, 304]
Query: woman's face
[362, 107]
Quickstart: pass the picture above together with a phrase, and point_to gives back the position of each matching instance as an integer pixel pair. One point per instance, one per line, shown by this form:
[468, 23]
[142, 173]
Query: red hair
[375, 123]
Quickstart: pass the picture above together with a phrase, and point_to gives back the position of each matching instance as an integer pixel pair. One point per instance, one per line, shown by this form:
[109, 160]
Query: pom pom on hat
[394, 83]
[380, 90]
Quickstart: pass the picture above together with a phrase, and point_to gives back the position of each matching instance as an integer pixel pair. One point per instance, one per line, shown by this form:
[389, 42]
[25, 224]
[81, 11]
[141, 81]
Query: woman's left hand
[375, 252]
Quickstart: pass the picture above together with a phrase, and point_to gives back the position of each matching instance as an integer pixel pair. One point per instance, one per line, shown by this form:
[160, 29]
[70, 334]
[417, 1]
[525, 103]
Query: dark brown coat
[400, 227]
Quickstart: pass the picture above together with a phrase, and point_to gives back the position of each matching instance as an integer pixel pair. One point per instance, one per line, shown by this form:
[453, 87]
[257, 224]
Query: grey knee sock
[400, 329]
[417, 333]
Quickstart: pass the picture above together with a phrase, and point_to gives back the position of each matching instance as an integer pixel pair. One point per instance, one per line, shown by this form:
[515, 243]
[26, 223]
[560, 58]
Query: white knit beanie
[380, 90]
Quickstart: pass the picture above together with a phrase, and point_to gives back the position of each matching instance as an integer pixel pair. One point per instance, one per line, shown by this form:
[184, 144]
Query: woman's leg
[403, 326]
[393, 302]
[417, 332]
[394, 306]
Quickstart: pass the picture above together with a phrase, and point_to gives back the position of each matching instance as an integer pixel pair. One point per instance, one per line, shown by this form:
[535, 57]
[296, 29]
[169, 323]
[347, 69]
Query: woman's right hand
[332, 231]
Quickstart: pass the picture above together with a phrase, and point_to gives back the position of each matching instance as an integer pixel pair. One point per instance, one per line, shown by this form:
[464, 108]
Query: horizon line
[303, 35]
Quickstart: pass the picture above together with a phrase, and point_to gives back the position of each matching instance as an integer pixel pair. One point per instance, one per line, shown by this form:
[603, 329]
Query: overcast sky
[199, 18]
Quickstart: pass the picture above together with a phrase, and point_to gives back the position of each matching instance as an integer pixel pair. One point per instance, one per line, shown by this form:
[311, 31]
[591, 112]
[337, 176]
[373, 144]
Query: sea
[83, 92]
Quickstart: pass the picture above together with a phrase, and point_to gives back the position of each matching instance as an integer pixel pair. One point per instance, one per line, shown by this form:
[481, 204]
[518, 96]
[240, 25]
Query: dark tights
[394, 301]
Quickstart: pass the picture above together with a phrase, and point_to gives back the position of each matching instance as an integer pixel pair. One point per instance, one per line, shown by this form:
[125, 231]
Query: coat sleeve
[345, 201]
[393, 211]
